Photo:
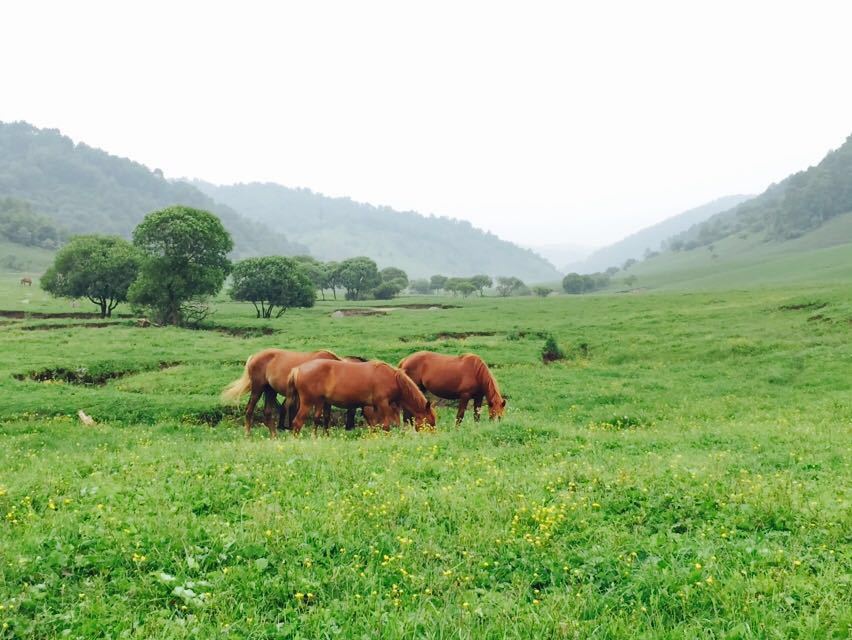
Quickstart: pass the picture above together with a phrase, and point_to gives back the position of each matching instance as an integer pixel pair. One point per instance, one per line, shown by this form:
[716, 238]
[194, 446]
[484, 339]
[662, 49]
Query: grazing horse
[355, 384]
[461, 378]
[26, 282]
[266, 373]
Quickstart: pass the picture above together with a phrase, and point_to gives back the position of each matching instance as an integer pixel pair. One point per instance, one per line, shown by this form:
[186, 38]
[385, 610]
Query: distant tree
[185, 259]
[465, 287]
[100, 268]
[332, 277]
[452, 284]
[611, 271]
[271, 282]
[316, 271]
[630, 280]
[628, 263]
[542, 292]
[576, 283]
[394, 275]
[481, 282]
[507, 285]
[573, 283]
[359, 275]
[386, 290]
[421, 285]
[437, 282]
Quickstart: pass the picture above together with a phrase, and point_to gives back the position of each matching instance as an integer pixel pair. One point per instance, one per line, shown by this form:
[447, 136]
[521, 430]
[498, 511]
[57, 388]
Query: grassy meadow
[682, 473]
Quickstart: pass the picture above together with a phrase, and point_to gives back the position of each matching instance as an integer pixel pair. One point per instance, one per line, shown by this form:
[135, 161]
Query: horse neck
[409, 392]
[487, 381]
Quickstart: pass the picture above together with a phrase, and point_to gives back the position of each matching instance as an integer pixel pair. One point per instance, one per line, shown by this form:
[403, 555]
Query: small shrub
[551, 351]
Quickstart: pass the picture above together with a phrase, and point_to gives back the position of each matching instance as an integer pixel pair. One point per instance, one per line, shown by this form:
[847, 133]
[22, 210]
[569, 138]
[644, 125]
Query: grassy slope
[723, 511]
[26, 260]
[821, 256]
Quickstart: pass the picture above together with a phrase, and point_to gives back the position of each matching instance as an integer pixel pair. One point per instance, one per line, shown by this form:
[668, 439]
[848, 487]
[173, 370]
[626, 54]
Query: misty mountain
[651, 238]
[797, 205]
[86, 190]
[338, 228]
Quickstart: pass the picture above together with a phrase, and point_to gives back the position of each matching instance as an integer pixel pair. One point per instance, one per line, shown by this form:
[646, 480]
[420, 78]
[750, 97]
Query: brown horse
[355, 384]
[463, 378]
[26, 282]
[266, 373]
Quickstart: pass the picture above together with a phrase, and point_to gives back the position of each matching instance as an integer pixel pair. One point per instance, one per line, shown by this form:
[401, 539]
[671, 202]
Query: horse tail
[238, 387]
[292, 395]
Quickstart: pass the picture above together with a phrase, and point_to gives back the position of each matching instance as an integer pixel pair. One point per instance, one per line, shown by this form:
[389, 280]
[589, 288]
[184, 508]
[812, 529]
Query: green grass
[684, 475]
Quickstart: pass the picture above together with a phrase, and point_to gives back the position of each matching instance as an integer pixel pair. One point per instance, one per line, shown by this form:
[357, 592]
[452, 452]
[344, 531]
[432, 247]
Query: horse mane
[410, 392]
[484, 377]
[330, 352]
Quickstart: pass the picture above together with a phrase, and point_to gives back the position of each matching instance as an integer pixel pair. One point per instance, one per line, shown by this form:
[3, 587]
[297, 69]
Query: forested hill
[86, 190]
[337, 228]
[797, 205]
[636, 246]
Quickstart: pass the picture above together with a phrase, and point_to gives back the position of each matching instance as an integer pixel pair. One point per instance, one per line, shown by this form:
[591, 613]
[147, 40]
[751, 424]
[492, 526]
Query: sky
[543, 122]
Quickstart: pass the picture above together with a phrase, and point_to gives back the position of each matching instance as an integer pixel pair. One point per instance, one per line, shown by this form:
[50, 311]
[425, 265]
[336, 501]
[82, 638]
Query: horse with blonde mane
[266, 373]
[374, 385]
[463, 378]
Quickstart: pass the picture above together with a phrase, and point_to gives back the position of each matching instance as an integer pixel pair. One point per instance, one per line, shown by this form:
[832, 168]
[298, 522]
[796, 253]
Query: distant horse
[463, 378]
[266, 373]
[355, 384]
[26, 282]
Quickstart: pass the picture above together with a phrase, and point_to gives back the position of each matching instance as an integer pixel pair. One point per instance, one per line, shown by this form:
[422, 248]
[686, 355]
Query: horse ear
[428, 405]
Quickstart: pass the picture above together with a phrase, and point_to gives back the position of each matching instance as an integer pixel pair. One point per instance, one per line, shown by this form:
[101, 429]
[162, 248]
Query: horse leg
[282, 416]
[326, 416]
[462, 408]
[270, 404]
[255, 396]
[350, 419]
[299, 419]
[477, 408]
[384, 410]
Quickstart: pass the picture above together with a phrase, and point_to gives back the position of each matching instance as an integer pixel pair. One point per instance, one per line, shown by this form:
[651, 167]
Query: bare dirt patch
[446, 335]
[76, 315]
[803, 306]
[95, 375]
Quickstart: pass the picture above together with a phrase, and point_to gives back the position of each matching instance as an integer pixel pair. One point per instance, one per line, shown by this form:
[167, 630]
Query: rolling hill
[86, 190]
[649, 239]
[337, 228]
[792, 208]
[820, 256]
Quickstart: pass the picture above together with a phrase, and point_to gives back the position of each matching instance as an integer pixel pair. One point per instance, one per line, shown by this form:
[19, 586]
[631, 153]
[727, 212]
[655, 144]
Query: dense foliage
[338, 228]
[270, 282]
[21, 225]
[100, 268]
[359, 276]
[86, 190]
[796, 205]
[576, 283]
[185, 259]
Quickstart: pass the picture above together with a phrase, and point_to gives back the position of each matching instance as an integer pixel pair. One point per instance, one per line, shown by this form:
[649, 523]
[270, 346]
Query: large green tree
[100, 268]
[185, 260]
[358, 276]
[270, 282]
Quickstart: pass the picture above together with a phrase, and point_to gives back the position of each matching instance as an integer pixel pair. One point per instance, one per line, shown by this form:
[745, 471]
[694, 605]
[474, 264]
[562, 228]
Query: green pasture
[682, 473]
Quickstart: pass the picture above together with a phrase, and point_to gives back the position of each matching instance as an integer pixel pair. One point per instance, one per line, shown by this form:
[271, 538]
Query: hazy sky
[541, 121]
